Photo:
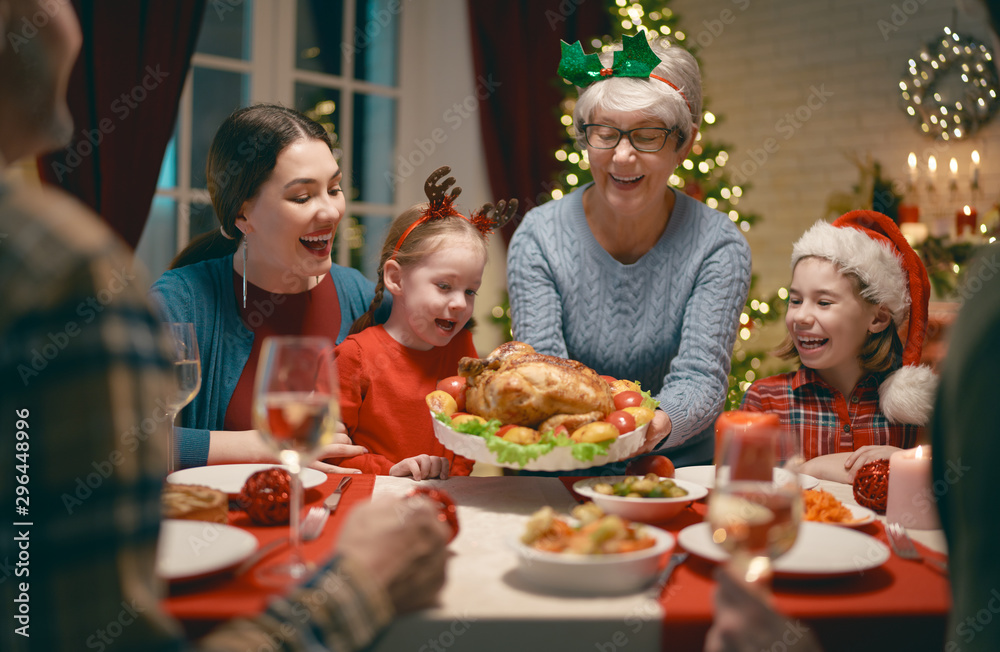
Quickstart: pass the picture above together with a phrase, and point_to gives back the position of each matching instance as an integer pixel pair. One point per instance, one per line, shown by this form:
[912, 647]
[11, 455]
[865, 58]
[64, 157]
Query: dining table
[489, 602]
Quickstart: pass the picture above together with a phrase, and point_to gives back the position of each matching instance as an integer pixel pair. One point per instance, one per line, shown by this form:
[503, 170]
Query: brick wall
[816, 82]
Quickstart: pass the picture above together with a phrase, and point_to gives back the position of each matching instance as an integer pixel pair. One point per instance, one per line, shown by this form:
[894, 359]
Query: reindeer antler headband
[440, 205]
[635, 59]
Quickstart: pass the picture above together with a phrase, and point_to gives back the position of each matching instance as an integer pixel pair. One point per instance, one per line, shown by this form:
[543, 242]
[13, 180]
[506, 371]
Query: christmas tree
[703, 176]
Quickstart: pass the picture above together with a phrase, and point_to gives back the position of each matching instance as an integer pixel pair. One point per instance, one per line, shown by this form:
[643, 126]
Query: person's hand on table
[659, 429]
[421, 467]
[340, 447]
[867, 454]
[745, 623]
[402, 543]
[247, 446]
[842, 467]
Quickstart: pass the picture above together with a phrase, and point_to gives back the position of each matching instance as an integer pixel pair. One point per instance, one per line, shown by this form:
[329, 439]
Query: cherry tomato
[502, 430]
[454, 385]
[627, 399]
[561, 429]
[609, 379]
[658, 464]
[622, 420]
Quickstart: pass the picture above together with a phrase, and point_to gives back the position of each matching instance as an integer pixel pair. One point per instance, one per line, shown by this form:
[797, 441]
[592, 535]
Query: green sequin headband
[635, 59]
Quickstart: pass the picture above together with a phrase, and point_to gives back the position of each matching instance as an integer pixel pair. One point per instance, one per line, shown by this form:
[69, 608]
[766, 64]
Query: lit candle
[975, 169]
[911, 160]
[911, 501]
[932, 170]
[953, 166]
[750, 435]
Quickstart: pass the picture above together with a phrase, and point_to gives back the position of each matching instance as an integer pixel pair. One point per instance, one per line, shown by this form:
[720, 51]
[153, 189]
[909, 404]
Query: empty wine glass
[756, 506]
[187, 374]
[295, 409]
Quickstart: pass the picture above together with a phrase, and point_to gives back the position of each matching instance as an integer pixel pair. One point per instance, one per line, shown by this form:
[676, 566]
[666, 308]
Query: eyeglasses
[643, 139]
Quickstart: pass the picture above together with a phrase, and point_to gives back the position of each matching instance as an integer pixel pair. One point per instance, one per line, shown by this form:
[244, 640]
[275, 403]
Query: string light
[956, 117]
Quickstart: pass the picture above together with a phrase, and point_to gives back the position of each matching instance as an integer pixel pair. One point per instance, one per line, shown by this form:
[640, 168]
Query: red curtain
[515, 48]
[124, 94]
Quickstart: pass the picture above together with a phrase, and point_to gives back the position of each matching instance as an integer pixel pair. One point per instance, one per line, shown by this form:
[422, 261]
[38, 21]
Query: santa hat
[871, 246]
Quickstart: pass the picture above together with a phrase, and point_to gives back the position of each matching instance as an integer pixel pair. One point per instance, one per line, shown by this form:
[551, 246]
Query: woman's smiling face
[291, 222]
[628, 181]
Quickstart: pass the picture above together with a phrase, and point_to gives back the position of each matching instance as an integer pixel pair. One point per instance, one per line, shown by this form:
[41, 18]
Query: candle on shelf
[753, 433]
[967, 217]
[931, 171]
[953, 166]
[975, 169]
[911, 161]
[911, 502]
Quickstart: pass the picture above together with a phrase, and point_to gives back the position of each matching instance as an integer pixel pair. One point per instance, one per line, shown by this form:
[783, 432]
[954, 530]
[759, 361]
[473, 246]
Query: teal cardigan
[202, 294]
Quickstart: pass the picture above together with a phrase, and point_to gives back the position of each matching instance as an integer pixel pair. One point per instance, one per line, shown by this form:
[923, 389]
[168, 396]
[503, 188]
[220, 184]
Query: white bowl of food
[645, 498]
[598, 573]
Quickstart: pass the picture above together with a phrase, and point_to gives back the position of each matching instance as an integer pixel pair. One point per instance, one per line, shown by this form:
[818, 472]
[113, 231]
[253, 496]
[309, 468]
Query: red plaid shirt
[829, 423]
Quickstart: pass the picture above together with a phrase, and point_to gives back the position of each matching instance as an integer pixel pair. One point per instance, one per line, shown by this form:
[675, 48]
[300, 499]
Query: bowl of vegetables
[648, 499]
[591, 553]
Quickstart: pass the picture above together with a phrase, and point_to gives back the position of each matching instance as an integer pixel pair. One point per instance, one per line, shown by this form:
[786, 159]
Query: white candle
[931, 171]
[911, 502]
[975, 169]
[911, 160]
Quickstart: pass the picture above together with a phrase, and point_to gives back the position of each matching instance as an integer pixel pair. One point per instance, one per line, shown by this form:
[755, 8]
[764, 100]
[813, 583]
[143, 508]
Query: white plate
[230, 478]
[821, 550]
[705, 476]
[559, 458]
[646, 510]
[191, 549]
[862, 516]
[593, 574]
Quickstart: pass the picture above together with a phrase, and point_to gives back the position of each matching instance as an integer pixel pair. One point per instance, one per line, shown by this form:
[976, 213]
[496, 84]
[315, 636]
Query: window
[337, 61]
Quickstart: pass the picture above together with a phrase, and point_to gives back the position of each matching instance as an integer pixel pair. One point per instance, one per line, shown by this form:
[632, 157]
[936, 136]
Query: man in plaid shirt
[83, 425]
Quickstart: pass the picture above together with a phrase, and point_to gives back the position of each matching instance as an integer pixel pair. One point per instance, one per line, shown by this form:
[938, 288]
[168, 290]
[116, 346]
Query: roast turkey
[517, 385]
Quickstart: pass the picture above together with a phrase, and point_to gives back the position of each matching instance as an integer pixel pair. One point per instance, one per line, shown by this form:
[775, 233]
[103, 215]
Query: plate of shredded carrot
[822, 507]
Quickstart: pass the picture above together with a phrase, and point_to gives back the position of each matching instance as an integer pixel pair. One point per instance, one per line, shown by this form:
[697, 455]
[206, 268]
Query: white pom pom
[907, 395]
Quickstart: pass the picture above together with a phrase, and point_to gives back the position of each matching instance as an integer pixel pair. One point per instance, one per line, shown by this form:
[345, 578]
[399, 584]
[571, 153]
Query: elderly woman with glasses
[627, 274]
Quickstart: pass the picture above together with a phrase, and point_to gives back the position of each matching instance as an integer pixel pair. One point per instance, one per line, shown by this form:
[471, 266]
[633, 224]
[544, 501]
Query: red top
[313, 312]
[829, 422]
[383, 385]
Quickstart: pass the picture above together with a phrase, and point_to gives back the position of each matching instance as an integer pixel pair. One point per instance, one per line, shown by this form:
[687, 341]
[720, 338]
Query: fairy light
[561, 155]
[782, 293]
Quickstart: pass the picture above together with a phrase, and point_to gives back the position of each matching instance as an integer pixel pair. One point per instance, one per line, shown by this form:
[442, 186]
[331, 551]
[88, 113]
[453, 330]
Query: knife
[333, 499]
[676, 560]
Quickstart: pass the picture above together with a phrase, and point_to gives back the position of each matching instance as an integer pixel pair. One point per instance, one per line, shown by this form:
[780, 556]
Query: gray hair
[651, 97]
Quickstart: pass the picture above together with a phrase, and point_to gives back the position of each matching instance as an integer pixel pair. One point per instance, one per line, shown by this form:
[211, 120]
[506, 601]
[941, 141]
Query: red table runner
[903, 601]
[221, 597]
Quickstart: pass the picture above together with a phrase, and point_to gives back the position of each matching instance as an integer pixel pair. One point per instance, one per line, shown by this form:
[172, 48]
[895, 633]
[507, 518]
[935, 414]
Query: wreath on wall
[950, 88]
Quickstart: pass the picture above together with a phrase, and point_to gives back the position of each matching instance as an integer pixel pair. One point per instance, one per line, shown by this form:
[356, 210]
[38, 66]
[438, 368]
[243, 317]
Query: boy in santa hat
[860, 392]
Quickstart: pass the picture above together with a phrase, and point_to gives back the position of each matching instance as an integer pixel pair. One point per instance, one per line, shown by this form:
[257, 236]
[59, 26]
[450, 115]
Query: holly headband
[441, 205]
[635, 59]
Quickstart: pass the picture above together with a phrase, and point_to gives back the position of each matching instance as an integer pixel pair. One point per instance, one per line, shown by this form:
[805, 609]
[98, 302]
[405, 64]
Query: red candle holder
[753, 432]
[967, 217]
[908, 213]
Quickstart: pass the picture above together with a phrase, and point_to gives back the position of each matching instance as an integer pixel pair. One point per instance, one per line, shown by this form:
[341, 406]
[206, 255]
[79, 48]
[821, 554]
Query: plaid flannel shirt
[83, 449]
[829, 421]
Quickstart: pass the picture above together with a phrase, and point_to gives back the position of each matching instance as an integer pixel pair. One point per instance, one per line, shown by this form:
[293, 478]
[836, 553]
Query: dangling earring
[244, 271]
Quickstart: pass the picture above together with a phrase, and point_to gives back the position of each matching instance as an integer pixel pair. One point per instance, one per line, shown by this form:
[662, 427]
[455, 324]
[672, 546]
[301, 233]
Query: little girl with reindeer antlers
[860, 394]
[432, 264]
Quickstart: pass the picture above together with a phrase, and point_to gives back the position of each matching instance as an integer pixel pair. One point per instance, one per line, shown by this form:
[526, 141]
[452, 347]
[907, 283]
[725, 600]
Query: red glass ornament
[871, 485]
[265, 496]
[447, 513]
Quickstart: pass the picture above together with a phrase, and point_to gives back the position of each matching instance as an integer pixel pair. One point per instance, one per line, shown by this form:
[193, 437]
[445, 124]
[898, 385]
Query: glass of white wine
[187, 373]
[756, 506]
[295, 410]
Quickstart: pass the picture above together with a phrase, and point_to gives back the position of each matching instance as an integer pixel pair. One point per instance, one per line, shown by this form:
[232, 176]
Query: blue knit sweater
[669, 320]
[202, 294]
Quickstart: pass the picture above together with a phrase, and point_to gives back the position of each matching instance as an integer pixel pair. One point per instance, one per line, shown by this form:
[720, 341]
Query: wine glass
[187, 374]
[295, 409]
[756, 506]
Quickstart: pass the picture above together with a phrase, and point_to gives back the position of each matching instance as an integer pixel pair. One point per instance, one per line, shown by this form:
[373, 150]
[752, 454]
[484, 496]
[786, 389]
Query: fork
[311, 527]
[902, 545]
